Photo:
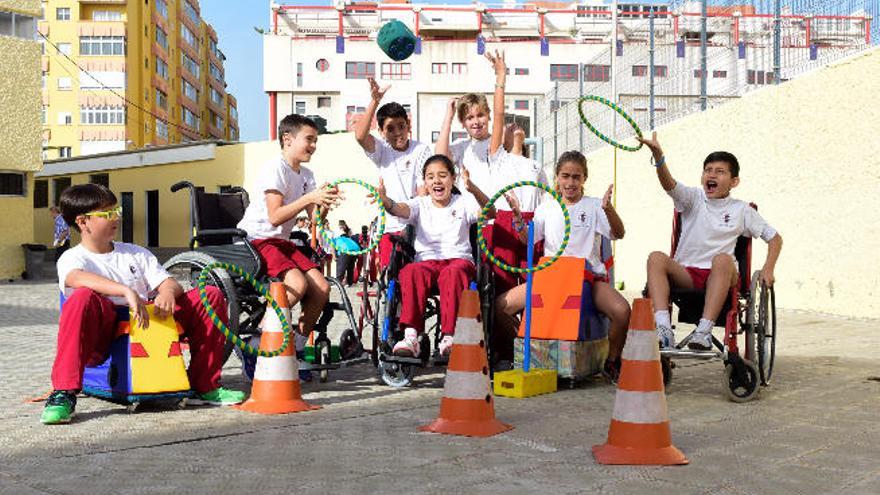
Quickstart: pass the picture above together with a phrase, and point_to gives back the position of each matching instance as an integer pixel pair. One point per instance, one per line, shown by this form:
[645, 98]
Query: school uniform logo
[132, 269]
[454, 214]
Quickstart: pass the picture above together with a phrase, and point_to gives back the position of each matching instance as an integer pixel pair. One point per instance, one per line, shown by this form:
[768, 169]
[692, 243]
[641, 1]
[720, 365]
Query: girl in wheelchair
[443, 257]
[590, 218]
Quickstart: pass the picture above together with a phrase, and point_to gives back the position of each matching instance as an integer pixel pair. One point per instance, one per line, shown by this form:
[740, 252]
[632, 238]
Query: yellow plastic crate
[518, 384]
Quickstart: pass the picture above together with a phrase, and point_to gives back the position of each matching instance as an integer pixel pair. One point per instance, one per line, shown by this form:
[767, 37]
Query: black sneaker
[60, 407]
[611, 370]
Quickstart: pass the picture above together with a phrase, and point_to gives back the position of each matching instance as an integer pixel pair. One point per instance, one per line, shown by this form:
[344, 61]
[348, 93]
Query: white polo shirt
[276, 174]
[711, 226]
[588, 224]
[401, 171]
[508, 168]
[473, 155]
[442, 233]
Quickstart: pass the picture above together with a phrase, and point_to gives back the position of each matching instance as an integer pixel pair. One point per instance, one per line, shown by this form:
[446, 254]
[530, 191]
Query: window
[62, 14]
[161, 129]
[64, 83]
[521, 105]
[216, 120]
[106, 15]
[161, 100]
[102, 45]
[215, 71]
[300, 108]
[750, 77]
[323, 102]
[161, 68]
[360, 70]
[103, 179]
[63, 48]
[162, 8]
[102, 115]
[216, 97]
[322, 65]
[299, 74]
[439, 68]
[660, 71]
[191, 12]
[188, 35]
[64, 152]
[396, 71]
[190, 91]
[459, 68]
[698, 74]
[41, 193]
[161, 38]
[563, 72]
[18, 25]
[11, 184]
[640, 70]
[60, 184]
[44, 119]
[521, 71]
[189, 64]
[435, 135]
[65, 118]
[233, 113]
[190, 118]
[719, 74]
[597, 72]
[458, 135]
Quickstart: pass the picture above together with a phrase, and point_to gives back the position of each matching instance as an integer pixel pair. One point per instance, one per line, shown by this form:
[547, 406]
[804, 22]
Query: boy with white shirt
[100, 274]
[711, 223]
[398, 158]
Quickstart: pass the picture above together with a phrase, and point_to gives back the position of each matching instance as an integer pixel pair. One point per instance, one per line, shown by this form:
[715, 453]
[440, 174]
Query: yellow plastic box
[518, 384]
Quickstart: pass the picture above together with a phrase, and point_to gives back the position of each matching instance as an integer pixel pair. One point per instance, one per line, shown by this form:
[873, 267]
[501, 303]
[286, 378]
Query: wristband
[391, 207]
[499, 86]
[660, 162]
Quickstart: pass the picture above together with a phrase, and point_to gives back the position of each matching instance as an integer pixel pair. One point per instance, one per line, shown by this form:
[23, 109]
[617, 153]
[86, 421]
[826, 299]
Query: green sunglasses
[111, 214]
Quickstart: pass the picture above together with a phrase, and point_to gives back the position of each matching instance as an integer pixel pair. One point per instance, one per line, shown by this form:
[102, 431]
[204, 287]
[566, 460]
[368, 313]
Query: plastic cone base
[663, 456]
[485, 428]
[276, 406]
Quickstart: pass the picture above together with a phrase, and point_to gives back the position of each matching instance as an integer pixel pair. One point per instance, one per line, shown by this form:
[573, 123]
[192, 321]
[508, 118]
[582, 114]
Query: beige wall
[810, 159]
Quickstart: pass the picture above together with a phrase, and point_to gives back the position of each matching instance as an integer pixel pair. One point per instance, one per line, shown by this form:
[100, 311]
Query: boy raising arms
[711, 223]
[398, 158]
[99, 274]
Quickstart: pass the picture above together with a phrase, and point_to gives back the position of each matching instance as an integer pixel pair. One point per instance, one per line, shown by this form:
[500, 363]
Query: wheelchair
[397, 371]
[216, 238]
[750, 310]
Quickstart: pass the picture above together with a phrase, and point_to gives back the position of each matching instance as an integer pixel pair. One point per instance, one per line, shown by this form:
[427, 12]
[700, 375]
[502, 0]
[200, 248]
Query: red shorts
[280, 255]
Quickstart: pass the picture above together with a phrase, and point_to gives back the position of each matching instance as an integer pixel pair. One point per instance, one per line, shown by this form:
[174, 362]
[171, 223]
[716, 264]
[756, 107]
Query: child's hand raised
[466, 178]
[380, 193]
[377, 93]
[653, 145]
[497, 62]
[606, 200]
[451, 107]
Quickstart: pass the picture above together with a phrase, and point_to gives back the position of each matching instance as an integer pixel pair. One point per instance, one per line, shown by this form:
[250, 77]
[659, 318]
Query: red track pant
[417, 280]
[88, 327]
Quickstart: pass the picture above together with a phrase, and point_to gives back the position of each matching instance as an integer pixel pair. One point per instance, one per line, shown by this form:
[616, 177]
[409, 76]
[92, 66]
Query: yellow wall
[19, 136]
[809, 157]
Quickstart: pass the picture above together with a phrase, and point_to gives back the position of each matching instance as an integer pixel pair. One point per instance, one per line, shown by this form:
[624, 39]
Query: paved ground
[814, 431]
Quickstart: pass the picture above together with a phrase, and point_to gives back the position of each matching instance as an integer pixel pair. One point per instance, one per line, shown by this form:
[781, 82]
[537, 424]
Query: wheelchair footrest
[390, 358]
[307, 366]
[689, 354]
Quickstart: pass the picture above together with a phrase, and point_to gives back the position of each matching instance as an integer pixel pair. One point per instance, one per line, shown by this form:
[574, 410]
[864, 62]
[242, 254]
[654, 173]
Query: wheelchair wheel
[762, 320]
[349, 345]
[741, 385]
[185, 268]
[396, 375]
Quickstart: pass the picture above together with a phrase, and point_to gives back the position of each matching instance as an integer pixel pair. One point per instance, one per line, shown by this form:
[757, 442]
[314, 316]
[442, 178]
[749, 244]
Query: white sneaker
[409, 346]
[701, 341]
[666, 337]
[445, 346]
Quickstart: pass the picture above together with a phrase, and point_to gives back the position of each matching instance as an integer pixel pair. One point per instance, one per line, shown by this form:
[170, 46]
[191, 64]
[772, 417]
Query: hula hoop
[617, 109]
[381, 228]
[235, 339]
[481, 241]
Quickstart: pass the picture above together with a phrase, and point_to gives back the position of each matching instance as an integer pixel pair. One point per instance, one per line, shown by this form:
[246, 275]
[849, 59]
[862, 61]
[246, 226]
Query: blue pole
[530, 256]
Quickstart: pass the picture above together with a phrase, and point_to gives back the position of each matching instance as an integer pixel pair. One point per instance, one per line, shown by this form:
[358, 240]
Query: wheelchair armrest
[209, 233]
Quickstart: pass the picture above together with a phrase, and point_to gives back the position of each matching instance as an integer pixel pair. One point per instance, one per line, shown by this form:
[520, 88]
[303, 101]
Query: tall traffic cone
[639, 431]
[276, 388]
[467, 407]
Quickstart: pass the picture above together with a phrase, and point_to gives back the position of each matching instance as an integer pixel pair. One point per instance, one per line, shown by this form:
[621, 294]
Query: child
[99, 274]
[285, 188]
[443, 253]
[398, 158]
[590, 218]
[711, 223]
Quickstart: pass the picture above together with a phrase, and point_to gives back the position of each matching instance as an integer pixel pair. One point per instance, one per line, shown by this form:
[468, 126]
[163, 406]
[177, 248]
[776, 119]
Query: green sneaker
[60, 407]
[218, 397]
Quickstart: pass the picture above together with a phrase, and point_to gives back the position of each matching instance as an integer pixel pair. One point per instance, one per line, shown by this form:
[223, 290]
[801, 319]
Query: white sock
[411, 333]
[705, 326]
[661, 318]
[300, 341]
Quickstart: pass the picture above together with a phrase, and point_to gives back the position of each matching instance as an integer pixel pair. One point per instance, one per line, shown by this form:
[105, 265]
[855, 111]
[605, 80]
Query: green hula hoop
[484, 216]
[617, 109]
[235, 339]
[381, 228]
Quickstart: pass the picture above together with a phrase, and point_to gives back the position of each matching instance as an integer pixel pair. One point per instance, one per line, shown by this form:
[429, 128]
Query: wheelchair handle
[180, 185]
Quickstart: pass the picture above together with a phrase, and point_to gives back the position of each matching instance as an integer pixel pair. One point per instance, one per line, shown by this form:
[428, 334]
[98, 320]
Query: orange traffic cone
[276, 388]
[467, 407]
[639, 431]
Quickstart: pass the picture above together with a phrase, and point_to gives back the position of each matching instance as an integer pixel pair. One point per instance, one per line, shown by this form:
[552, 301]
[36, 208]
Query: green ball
[396, 40]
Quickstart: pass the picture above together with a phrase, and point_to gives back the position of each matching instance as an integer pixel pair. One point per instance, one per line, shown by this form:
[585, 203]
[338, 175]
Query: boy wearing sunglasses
[99, 274]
